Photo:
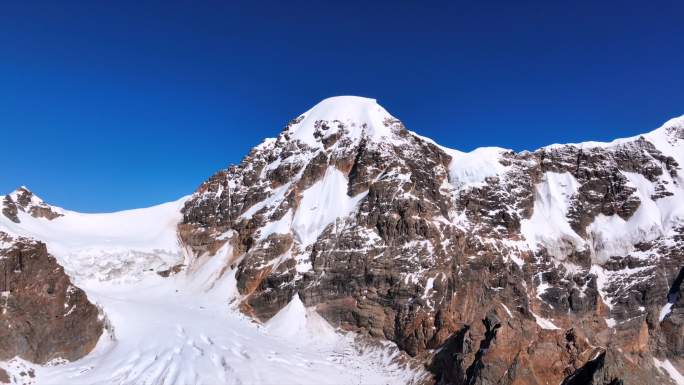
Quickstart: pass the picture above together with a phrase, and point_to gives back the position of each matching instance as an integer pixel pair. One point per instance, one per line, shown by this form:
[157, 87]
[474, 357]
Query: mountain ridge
[570, 251]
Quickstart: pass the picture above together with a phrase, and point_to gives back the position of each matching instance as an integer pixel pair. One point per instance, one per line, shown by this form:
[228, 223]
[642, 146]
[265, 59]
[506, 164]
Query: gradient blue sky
[106, 107]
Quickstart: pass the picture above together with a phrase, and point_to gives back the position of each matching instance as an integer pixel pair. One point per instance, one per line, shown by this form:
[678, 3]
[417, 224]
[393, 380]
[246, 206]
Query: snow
[290, 320]
[665, 311]
[186, 329]
[549, 225]
[120, 245]
[655, 137]
[665, 143]
[601, 283]
[294, 322]
[35, 200]
[468, 169]
[544, 323]
[428, 286]
[608, 235]
[276, 196]
[542, 287]
[612, 235]
[281, 226]
[353, 111]
[321, 204]
[671, 371]
[169, 332]
[507, 310]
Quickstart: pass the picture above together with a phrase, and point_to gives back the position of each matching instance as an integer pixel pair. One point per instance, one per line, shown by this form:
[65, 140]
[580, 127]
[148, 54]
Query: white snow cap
[360, 116]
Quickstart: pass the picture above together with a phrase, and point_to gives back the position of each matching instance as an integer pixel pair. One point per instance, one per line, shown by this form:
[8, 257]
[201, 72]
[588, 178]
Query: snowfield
[167, 332]
[120, 246]
[185, 329]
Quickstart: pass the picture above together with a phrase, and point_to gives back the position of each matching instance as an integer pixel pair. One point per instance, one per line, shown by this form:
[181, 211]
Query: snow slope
[321, 204]
[549, 223]
[114, 246]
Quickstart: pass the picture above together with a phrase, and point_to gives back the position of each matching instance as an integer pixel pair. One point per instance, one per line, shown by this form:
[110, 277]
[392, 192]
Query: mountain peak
[23, 199]
[353, 116]
[24, 195]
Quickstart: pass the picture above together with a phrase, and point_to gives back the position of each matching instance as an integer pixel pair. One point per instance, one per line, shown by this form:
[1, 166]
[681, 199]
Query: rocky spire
[23, 200]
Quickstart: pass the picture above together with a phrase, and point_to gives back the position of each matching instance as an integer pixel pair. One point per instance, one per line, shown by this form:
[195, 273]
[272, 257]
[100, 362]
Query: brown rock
[44, 316]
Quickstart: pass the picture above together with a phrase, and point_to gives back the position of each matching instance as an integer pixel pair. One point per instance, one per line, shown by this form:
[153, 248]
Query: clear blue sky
[106, 107]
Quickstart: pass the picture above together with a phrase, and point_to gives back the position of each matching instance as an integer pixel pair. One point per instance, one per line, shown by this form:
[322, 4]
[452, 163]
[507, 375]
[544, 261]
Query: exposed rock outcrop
[43, 316]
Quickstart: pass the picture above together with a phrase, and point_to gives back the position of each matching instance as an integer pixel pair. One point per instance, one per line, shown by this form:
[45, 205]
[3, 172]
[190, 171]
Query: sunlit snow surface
[186, 329]
[321, 204]
[120, 246]
[167, 332]
[362, 117]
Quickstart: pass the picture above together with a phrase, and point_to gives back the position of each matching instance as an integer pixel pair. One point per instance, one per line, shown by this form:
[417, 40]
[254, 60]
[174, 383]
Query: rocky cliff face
[562, 265]
[43, 316]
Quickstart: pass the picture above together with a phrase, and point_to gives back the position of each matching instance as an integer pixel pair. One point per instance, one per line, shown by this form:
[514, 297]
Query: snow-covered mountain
[352, 250]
